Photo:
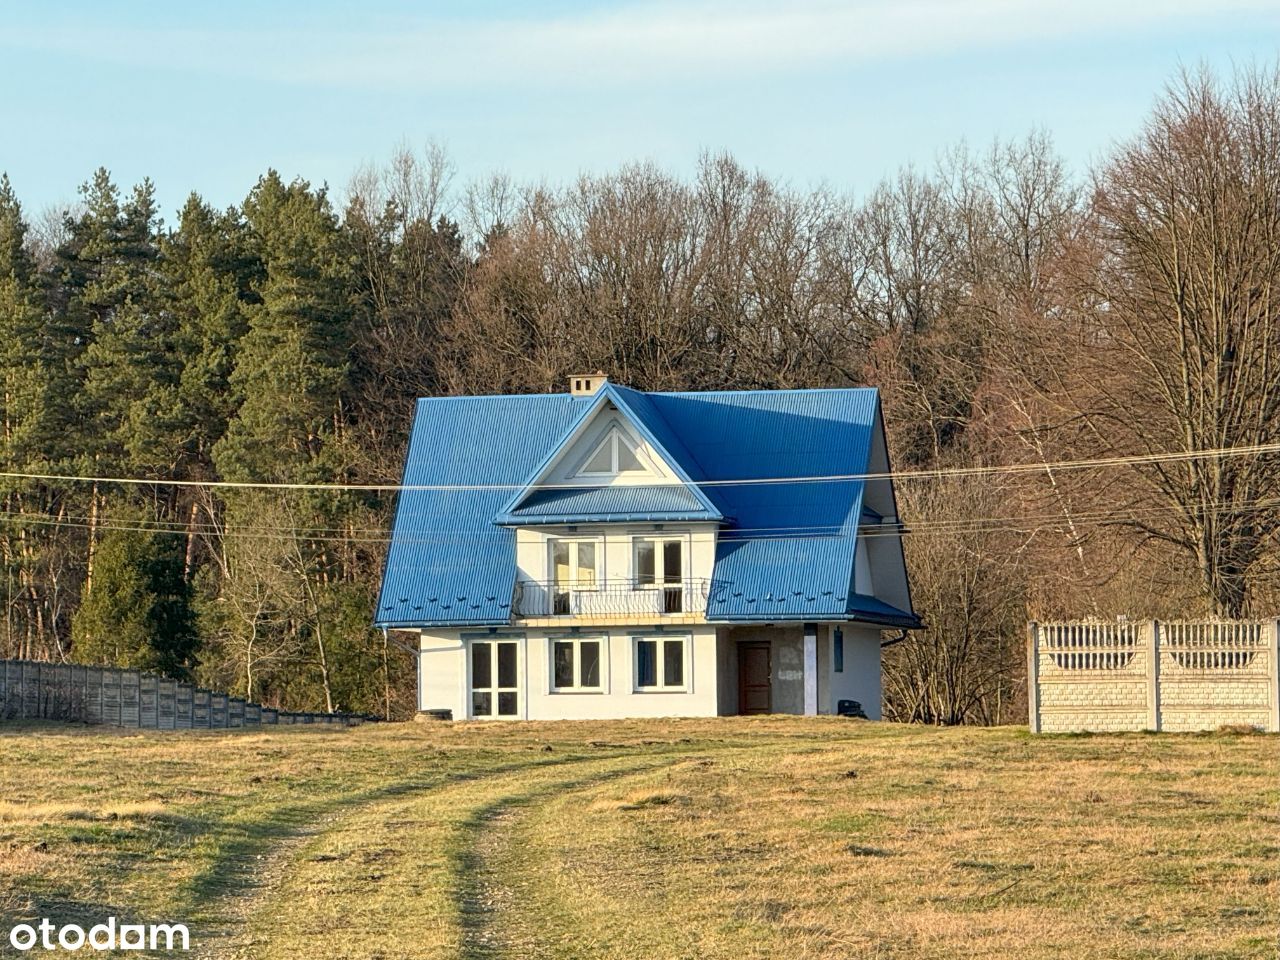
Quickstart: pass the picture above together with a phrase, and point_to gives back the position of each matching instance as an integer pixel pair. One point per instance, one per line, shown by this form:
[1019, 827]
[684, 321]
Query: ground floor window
[576, 664]
[494, 678]
[660, 663]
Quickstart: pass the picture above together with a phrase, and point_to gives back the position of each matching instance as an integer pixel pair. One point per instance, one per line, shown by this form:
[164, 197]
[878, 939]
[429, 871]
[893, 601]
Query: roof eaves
[867, 609]
[547, 519]
[420, 624]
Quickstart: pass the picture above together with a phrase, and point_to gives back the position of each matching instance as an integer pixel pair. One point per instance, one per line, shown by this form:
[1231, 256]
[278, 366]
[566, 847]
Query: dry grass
[723, 838]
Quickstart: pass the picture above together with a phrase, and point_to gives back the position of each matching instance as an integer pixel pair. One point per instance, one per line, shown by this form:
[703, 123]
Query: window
[616, 454]
[576, 664]
[660, 663]
[494, 678]
[574, 566]
[659, 563]
[837, 650]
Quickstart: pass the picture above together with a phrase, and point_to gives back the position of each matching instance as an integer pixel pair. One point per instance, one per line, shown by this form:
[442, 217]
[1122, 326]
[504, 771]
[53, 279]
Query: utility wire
[935, 473]
[893, 529]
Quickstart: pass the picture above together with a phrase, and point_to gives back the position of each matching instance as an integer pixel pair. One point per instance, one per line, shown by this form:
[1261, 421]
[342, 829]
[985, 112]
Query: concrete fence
[1153, 675]
[31, 690]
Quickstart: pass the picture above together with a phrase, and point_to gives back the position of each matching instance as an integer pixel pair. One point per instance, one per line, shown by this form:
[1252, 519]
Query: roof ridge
[646, 393]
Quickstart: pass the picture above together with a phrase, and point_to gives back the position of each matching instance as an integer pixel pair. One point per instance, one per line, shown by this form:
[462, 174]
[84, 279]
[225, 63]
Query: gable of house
[608, 467]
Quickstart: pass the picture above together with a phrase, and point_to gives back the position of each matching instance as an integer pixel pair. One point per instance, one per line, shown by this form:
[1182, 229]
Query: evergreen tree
[27, 435]
[131, 366]
[139, 610]
[290, 378]
[209, 273]
[33, 433]
[292, 368]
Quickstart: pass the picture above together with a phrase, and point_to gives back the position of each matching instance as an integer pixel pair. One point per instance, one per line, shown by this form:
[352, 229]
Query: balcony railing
[609, 598]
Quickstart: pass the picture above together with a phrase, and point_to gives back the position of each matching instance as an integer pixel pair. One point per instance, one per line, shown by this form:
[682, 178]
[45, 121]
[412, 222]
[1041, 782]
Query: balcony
[610, 598]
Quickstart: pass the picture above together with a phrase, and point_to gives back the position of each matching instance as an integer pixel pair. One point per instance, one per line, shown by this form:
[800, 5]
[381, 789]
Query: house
[613, 553]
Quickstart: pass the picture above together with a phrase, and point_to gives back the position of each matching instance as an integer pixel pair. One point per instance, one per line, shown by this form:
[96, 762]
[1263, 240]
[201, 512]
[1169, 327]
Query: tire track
[487, 903]
[465, 910]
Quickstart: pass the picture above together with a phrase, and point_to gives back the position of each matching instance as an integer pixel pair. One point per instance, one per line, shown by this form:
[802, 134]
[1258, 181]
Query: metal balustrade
[609, 598]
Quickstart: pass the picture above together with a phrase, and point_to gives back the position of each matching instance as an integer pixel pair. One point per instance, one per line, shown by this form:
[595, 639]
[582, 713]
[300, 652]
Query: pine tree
[208, 273]
[32, 424]
[291, 374]
[26, 435]
[293, 363]
[139, 612]
[131, 366]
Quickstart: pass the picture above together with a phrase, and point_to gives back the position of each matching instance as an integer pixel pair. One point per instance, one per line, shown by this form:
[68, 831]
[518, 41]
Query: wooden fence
[31, 690]
[1153, 675]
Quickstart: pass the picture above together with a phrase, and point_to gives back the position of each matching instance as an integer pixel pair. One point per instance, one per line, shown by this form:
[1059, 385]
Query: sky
[207, 97]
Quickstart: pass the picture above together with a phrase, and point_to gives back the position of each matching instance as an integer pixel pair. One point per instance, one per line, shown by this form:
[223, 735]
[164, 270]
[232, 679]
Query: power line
[935, 473]
[377, 535]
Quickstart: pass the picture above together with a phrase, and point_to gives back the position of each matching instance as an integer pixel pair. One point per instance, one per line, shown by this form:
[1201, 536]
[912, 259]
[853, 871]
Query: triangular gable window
[613, 456]
[602, 460]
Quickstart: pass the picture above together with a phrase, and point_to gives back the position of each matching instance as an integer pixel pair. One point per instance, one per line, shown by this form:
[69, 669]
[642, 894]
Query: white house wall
[533, 554]
[711, 663]
[443, 682]
[862, 581]
[442, 673]
[884, 555]
[860, 679]
[880, 570]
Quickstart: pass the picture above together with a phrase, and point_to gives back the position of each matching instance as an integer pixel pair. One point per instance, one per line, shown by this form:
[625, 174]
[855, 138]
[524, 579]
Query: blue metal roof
[790, 551]
[637, 504]
[877, 611]
[786, 551]
[448, 563]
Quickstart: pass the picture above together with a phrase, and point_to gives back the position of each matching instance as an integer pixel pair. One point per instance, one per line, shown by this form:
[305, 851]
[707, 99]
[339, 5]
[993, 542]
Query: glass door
[660, 564]
[495, 686]
[574, 565]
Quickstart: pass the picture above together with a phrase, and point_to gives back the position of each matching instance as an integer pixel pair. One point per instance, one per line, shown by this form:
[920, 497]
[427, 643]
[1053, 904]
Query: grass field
[734, 838]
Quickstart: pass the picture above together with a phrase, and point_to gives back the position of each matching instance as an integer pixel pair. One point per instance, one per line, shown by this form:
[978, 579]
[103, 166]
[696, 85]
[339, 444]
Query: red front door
[754, 681]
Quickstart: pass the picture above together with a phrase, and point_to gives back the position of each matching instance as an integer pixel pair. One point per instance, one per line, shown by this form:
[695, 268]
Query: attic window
[613, 456]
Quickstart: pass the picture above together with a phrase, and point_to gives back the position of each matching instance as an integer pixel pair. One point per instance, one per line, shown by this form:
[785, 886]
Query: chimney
[585, 384]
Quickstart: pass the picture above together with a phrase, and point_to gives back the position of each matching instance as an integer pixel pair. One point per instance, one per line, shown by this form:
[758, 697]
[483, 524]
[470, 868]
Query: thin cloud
[656, 43]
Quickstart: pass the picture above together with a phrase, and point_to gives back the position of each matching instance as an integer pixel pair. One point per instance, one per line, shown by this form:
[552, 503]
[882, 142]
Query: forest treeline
[1010, 310]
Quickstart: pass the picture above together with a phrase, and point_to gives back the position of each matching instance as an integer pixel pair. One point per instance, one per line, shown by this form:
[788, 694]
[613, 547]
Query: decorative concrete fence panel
[1152, 675]
[126, 698]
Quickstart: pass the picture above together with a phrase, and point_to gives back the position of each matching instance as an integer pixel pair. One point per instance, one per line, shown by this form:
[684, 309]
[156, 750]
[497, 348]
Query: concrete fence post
[1033, 676]
[1153, 676]
[1274, 676]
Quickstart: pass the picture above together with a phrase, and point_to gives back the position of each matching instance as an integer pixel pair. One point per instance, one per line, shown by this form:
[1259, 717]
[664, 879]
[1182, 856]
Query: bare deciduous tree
[1167, 336]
